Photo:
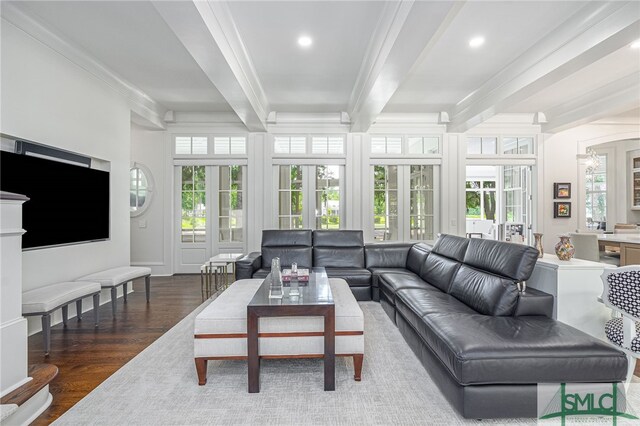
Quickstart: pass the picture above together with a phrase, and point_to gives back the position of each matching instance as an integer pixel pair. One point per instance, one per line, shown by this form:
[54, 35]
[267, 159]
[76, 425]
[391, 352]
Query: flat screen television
[68, 204]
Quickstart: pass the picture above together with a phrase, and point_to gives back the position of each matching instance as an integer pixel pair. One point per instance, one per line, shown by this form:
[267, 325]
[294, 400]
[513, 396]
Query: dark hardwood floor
[86, 356]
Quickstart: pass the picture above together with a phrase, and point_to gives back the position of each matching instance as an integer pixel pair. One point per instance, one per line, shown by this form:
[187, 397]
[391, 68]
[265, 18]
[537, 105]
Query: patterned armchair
[622, 294]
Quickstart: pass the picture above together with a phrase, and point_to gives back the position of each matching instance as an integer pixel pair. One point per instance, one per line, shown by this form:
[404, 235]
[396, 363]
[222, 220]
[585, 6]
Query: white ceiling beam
[595, 31]
[208, 32]
[609, 100]
[401, 40]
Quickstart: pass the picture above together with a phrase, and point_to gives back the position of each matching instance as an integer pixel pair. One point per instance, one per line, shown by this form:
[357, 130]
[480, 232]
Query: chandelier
[592, 161]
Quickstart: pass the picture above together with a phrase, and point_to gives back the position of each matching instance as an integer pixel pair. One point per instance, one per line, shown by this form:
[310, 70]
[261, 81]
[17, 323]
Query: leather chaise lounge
[457, 304]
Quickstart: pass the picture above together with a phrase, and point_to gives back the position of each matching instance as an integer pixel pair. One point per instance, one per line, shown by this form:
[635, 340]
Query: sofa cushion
[439, 271]
[354, 276]
[515, 261]
[376, 272]
[386, 255]
[339, 257]
[451, 246]
[116, 276]
[414, 303]
[338, 249]
[417, 255]
[262, 273]
[481, 349]
[391, 283]
[488, 294]
[289, 245]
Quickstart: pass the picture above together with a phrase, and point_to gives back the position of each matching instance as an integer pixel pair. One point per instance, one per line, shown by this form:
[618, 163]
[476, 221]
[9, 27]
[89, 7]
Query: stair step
[41, 374]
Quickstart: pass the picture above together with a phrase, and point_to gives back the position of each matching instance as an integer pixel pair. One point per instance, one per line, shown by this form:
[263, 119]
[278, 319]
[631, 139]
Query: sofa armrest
[534, 302]
[247, 265]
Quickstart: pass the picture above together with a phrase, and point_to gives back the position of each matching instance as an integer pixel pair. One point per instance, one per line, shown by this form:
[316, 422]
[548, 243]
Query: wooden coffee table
[315, 299]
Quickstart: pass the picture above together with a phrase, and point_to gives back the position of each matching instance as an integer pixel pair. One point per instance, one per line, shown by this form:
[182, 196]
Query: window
[421, 203]
[385, 203]
[290, 145]
[327, 145]
[423, 145]
[481, 199]
[484, 145]
[140, 189]
[191, 145]
[327, 209]
[230, 204]
[225, 145]
[290, 197]
[517, 145]
[193, 198]
[404, 202]
[515, 185]
[386, 145]
[596, 194]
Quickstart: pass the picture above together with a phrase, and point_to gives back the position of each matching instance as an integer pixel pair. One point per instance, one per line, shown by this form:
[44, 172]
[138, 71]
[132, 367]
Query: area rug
[159, 387]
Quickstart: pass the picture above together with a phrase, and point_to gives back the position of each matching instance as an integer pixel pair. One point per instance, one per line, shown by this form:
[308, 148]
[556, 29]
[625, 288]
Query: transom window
[386, 145]
[482, 145]
[290, 145]
[327, 145]
[517, 145]
[191, 145]
[229, 145]
[423, 145]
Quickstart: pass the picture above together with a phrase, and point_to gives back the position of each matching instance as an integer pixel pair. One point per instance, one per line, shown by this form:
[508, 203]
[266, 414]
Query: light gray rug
[159, 387]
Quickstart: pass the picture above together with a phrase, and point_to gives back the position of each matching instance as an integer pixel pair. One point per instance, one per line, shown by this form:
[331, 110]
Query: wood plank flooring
[86, 356]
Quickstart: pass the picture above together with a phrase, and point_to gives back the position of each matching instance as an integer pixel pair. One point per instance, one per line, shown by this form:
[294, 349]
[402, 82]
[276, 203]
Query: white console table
[575, 286]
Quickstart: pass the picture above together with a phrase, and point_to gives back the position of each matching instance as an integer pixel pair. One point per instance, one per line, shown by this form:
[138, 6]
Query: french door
[499, 202]
[210, 212]
[309, 196]
[405, 202]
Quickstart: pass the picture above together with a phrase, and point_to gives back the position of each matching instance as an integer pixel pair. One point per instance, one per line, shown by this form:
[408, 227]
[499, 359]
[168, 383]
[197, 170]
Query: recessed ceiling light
[305, 41]
[635, 44]
[476, 41]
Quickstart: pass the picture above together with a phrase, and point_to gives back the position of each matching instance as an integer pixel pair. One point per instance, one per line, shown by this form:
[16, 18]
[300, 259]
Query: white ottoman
[115, 277]
[221, 329]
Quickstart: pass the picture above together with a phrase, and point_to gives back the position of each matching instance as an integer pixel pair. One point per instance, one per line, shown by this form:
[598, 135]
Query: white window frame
[150, 186]
[500, 145]
[210, 145]
[308, 146]
[191, 136]
[588, 192]
[404, 145]
[230, 155]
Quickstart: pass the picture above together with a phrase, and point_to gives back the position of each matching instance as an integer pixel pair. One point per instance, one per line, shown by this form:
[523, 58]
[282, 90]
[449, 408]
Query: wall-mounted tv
[68, 203]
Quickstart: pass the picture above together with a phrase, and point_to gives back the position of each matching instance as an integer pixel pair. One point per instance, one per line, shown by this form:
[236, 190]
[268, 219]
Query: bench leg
[114, 300]
[79, 309]
[357, 367]
[96, 306]
[147, 286]
[201, 369]
[46, 332]
[125, 288]
[65, 314]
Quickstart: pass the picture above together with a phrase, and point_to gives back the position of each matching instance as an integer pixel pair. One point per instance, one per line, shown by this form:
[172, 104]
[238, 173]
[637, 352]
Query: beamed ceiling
[570, 60]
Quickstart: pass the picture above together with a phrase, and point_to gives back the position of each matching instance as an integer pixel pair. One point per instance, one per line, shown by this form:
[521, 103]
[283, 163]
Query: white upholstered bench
[221, 329]
[115, 277]
[44, 300]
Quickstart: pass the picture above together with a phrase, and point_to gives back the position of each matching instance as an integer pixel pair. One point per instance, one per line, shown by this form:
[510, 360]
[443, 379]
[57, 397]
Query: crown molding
[595, 31]
[143, 105]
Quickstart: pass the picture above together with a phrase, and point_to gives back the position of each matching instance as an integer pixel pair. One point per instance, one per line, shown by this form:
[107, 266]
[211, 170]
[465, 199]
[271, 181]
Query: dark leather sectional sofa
[485, 343]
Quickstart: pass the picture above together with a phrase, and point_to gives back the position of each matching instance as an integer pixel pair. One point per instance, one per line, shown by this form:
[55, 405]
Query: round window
[140, 189]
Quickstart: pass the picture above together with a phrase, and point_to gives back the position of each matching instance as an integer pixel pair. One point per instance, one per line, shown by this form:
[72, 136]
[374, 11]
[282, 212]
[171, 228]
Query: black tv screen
[67, 203]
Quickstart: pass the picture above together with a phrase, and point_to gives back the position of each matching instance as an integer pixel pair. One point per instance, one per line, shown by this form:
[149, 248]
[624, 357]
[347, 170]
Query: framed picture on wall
[562, 190]
[561, 209]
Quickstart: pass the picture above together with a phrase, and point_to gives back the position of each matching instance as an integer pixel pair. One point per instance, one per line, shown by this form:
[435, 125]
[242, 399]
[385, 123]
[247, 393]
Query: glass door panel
[327, 208]
[421, 203]
[290, 197]
[194, 204]
[385, 203]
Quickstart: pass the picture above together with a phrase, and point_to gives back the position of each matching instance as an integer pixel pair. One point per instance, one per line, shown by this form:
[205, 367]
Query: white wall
[47, 99]
[151, 230]
[560, 164]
